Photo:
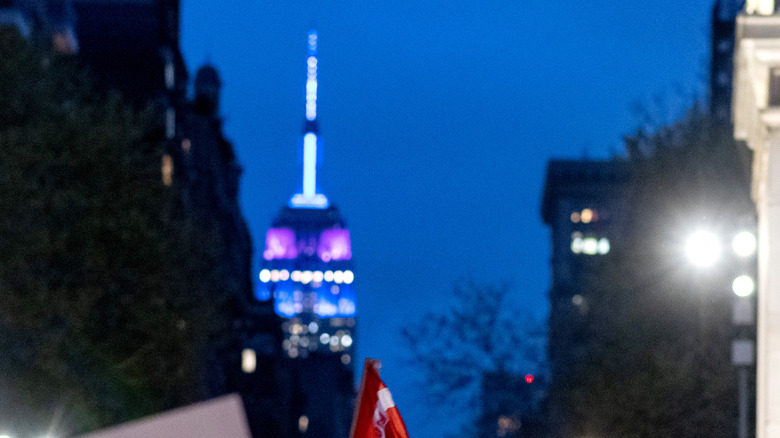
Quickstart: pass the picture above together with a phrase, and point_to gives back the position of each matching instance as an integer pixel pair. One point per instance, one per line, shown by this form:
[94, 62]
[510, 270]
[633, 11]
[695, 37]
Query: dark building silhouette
[584, 205]
[724, 14]
[307, 273]
[132, 46]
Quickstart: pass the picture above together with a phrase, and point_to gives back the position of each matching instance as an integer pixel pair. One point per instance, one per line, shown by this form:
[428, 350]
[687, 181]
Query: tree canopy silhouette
[108, 305]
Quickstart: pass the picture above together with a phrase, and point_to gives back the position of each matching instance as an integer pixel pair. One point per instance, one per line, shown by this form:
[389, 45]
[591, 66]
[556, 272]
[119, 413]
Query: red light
[529, 378]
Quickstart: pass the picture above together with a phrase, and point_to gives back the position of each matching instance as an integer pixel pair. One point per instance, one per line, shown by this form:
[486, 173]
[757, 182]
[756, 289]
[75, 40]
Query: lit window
[577, 300]
[303, 424]
[293, 352]
[586, 216]
[186, 145]
[325, 338]
[248, 360]
[313, 327]
[604, 246]
[346, 341]
[590, 245]
[576, 243]
[167, 170]
[346, 359]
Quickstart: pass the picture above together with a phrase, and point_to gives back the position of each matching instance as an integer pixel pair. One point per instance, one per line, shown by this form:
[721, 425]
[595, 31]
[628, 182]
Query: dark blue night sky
[438, 119]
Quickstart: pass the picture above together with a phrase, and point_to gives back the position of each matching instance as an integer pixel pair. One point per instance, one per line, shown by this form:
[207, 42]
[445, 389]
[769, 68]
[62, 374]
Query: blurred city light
[702, 249]
[248, 360]
[744, 244]
[743, 286]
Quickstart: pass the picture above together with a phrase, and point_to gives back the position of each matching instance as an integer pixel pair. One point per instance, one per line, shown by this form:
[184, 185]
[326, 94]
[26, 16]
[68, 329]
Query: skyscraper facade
[307, 273]
[584, 206]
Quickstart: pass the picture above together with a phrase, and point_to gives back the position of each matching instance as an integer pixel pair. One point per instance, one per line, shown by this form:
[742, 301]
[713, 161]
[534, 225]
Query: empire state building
[307, 272]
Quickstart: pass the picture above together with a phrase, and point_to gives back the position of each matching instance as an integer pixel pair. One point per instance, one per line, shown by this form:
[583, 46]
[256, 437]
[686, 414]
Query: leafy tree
[475, 356]
[658, 331]
[108, 303]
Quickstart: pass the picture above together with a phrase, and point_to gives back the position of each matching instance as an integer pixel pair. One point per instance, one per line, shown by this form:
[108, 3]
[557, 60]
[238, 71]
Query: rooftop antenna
[309, 198]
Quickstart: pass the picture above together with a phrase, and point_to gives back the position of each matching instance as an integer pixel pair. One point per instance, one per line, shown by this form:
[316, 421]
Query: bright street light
[743, 286]
[744, 244]
[702, 248]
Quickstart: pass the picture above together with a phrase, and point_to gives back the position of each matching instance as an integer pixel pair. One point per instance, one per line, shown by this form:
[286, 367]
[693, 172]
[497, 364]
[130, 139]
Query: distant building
[307, 273]
[584, 206]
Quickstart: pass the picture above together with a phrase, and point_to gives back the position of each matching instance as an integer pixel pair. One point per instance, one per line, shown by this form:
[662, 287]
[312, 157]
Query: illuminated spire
[311, 78]
[309, 198]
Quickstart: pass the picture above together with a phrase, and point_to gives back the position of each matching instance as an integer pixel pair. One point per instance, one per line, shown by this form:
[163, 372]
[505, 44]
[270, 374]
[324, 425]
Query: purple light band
[334, 245]
[280, 244]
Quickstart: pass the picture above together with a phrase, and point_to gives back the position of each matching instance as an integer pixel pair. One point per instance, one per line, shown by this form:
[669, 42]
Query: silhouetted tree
[659, 331]
[108, 303]
[475, 356]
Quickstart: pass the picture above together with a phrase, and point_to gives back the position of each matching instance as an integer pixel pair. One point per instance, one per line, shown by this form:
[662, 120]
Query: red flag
[375, 413]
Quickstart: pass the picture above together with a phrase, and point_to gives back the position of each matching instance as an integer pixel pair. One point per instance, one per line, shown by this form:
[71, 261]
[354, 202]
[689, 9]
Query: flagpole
[367, 363]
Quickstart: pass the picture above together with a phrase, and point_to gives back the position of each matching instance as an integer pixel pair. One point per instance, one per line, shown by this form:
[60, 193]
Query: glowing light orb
[265, 277]
[744, 244]
[702, 249]
[743, 286]
[248, 360]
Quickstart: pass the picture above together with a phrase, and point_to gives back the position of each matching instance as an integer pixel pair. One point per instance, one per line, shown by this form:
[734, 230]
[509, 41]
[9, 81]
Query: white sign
[761, 7]
[219, 417]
